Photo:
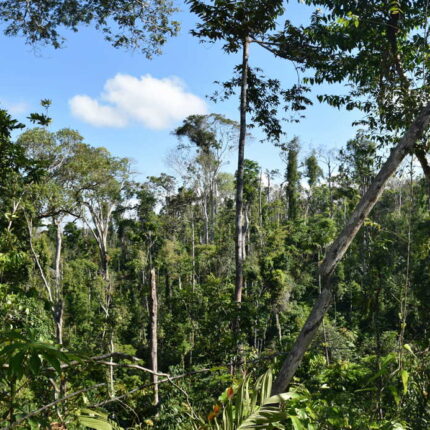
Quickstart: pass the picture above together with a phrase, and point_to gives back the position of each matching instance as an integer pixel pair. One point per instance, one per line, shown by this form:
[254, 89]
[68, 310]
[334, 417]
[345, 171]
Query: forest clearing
[234, 234]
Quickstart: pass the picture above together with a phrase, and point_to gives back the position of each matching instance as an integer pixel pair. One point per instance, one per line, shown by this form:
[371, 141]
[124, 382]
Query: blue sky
[87, 62]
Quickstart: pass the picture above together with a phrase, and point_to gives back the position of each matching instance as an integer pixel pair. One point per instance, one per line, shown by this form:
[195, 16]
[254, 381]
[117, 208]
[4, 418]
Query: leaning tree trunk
[338, 248]
[240, 224]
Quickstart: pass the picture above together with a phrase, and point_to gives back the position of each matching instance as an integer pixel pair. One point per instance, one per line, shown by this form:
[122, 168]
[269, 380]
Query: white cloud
[155, 103]
[93, 112]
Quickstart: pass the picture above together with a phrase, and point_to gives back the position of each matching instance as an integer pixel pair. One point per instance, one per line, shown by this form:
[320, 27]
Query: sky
[130, 105]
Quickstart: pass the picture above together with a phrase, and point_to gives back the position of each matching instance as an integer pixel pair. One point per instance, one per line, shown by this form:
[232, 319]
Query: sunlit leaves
[96, 420]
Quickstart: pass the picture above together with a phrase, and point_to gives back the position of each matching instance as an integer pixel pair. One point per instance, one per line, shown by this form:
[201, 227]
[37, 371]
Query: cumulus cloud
[155, 103]
[93, 112]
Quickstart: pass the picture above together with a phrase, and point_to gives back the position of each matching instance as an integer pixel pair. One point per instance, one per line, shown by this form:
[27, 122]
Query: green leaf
[408, 348]
[405, 377]
[96, 420]
[16, 365]
[297, 424]
[40, 119]
[278, 398]
[395, 394]
[34, 363]
[95, 423]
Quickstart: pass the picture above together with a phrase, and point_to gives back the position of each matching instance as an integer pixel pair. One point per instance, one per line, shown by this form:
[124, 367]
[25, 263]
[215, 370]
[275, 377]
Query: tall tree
[238, 24]
[99, 181]
[153, 300]
[213, 136]
[51, 200]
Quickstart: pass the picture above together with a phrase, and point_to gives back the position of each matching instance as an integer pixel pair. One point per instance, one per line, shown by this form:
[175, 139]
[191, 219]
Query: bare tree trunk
[240, 232]
[193, 253]
[59, 304]
[212, 212]
[104, 259]
[111, 367]
[260, 206]
[101, 235]
[15, 207]
[278, 327]
[338, 248]
[154, 335]
[246, 232]
[206, 217]
[330, 187]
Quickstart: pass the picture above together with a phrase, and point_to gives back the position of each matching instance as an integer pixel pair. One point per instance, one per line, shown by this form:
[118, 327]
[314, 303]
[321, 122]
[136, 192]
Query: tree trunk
[111, 367]
[58, 307]
[104, 260]
[240, 232]
[154, 336]
[212, 212]
[193, 254]
[338, 248]
[330, 186]
[206, 218]
[260, 205]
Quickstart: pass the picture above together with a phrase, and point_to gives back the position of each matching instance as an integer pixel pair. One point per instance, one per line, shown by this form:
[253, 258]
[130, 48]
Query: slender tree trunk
[15, 207]
[240, 231]
[212, 212]
[154, 333]
[193, 253]
[102, 229]
[260, 205]
[104, 257]
[246, 231]
[59, 304]
[338, 248]
[330, 188]
[278, 327]
[111, 367]
[206, 217]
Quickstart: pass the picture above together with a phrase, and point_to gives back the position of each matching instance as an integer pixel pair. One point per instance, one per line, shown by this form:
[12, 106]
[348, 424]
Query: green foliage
[129, 25]
[95, 420]
[78, 237]
[246, 406]
[21, 357]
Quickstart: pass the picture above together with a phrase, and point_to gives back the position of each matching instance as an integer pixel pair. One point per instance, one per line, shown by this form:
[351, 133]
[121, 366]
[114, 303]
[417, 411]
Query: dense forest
[293, 298]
